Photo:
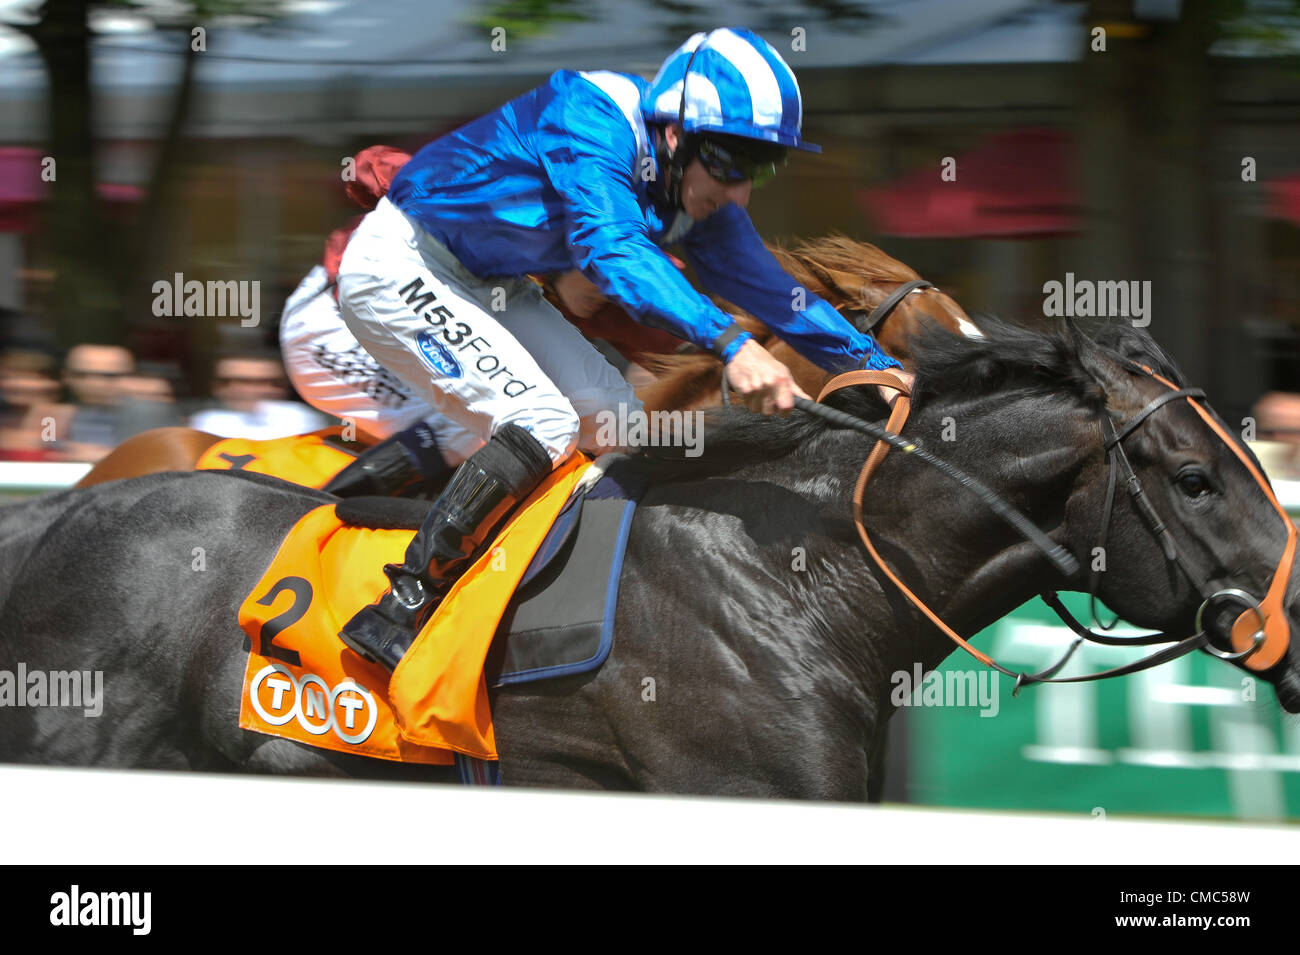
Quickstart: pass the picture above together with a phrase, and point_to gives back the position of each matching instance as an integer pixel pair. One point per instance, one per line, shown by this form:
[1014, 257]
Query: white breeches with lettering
[482, 353]
[333, 373]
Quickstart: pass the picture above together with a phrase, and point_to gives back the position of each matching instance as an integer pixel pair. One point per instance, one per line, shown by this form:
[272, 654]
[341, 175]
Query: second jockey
[595, 171]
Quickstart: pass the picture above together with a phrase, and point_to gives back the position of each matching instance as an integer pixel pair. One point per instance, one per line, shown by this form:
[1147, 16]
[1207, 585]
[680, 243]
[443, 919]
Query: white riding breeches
[482, 353]
[334, 374]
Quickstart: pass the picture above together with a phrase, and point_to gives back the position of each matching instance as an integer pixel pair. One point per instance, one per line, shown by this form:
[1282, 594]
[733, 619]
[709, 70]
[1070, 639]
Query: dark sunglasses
[95, 373]
[248, 380]
[730, 167]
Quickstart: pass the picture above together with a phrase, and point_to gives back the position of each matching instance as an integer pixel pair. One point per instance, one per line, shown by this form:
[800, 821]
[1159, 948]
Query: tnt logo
[348, 709]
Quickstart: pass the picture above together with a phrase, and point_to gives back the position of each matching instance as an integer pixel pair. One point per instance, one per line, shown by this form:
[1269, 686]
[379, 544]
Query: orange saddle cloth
[308, 459]
[302, 683]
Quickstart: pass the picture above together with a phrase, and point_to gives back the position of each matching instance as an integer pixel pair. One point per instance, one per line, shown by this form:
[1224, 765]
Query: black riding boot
[481, 492]
[398, 464]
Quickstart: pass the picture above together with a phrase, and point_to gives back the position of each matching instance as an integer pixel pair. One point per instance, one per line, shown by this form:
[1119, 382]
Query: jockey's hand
[765, 384]
[580, 296]
[889, 394]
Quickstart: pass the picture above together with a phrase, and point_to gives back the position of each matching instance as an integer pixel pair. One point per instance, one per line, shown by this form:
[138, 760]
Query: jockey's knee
[555, 428]
[598, 408]
[605, 396]
[353, 290]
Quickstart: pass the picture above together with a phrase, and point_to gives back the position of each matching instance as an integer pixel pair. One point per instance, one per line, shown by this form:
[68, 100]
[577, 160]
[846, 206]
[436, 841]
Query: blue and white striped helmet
[738, 85]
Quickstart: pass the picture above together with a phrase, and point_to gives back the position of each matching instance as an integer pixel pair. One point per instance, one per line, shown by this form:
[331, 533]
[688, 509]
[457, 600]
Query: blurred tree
[1153, 168]
[1255, 28]
[97, 263]
[773, 18]
[677, 18]
[528, 18]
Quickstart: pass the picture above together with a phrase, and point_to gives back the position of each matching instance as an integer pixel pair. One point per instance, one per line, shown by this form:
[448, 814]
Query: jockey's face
[702, 195]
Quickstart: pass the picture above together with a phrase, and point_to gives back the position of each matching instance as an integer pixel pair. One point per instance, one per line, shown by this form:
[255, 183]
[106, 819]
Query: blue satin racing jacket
[566, 176]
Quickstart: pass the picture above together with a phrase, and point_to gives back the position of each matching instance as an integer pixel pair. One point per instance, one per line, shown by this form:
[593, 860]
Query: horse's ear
[1114, 379]
[1137, 345]
[1076, 336]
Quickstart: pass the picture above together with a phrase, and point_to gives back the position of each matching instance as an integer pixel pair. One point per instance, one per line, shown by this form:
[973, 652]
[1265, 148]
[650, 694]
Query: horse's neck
[953, 552]
[688, 386]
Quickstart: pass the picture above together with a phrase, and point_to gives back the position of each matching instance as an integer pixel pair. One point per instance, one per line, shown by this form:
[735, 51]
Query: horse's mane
[841, 270]
[1007, 358]
[1136, 345]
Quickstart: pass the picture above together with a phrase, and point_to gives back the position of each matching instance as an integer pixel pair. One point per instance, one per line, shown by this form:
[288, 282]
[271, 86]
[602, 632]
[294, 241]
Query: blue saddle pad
[560, 621]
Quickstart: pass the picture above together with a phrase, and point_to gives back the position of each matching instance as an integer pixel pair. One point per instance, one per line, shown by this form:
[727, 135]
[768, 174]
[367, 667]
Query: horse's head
[1163, 505]
[1205, 538]
[858, 278]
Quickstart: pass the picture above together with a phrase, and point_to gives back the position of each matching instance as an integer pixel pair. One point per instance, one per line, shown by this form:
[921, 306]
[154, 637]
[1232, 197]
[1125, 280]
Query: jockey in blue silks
[594, 171]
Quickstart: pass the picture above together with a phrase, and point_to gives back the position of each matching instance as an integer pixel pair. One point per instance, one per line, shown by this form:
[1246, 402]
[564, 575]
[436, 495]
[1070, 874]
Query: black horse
[771, 665]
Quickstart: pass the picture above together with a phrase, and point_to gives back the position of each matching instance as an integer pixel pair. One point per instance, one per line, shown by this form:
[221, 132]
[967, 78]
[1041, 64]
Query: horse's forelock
[1137, 345]
[1006, 356]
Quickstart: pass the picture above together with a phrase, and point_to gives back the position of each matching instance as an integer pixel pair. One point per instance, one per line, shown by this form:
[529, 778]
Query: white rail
[34, 477]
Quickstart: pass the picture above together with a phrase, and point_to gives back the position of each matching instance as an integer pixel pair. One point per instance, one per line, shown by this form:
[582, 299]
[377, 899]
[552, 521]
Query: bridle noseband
[1260, 634]
[1257, 647]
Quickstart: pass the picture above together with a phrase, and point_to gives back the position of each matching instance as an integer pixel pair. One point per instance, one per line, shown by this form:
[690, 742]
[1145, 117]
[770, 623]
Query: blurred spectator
[91, 426]
[28, 392]
[148, 402]
[252, 391]
[148, 388]
[110, 402]
[1277, 427]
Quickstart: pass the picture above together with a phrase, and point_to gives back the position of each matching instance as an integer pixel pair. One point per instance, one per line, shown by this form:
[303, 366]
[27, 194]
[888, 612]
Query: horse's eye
[1193, 483]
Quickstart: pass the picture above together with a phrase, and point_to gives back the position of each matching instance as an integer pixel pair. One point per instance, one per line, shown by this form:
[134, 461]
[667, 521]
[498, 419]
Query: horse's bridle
[1258, 647]
[868, 322]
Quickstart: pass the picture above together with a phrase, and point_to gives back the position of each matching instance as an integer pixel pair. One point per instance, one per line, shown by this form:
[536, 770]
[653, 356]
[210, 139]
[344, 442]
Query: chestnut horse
[855, 277]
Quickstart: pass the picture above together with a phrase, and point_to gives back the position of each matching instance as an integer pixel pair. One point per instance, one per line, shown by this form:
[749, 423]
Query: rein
[1258, 647]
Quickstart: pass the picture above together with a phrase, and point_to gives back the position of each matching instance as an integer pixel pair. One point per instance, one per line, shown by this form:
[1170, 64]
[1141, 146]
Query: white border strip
[82, 817]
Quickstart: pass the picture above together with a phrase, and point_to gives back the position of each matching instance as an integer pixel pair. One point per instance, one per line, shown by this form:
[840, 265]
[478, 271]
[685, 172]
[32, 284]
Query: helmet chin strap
[687, 143]
[674, 162]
